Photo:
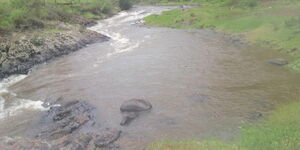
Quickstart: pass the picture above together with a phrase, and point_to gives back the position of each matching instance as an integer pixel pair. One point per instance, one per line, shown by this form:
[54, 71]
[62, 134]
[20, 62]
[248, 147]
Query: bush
[292, 22]
[125, 4]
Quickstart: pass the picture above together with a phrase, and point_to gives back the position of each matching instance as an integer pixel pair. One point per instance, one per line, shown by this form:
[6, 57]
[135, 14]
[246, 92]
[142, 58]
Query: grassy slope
[280, 131]
[274, 24]
[31, 14]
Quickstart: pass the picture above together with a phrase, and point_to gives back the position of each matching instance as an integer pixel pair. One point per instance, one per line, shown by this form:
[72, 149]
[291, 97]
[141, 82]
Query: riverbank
[35, 31]
[270, 24]
[20, 51]
[280, 131]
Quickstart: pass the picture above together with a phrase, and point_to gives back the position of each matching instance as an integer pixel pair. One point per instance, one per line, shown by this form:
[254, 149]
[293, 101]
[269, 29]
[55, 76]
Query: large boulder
[132, 108]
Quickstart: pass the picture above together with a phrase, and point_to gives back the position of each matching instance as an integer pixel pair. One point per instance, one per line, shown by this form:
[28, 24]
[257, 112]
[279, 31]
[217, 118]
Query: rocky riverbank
[70, 126]
[20, 51]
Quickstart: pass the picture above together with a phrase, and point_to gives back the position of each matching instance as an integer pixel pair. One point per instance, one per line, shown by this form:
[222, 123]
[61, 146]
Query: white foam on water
[112, 27]
[19, 106]
[119, 42]
[5, 83]
[16, 105]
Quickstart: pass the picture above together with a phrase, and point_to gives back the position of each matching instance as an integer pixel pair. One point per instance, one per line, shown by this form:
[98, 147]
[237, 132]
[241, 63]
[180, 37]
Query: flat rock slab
[66, 119]
[278, 62]
[88, 141]
[135, 105]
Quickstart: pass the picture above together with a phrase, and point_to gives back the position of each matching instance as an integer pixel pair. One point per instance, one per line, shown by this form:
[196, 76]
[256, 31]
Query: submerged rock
[63, 131]
[127, 117]
[278, 62]
[131, 109]
[7, 143]
[106, 138]
[255, 116]
[87, 141]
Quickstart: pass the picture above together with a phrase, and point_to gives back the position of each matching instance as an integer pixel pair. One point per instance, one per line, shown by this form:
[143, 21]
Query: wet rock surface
[135, 105]
[66, 119]
[64, 131]
[22, 51]
[278, 62]
[132, 108]
[127, 117]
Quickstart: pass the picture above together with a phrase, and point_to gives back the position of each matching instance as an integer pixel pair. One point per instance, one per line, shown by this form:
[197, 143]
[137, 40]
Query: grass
[280, 131]
[274, 24]
[31, 14]
[190, 145]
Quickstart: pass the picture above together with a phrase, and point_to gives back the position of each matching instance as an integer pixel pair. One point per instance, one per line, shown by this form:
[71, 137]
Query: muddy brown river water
[201, 84]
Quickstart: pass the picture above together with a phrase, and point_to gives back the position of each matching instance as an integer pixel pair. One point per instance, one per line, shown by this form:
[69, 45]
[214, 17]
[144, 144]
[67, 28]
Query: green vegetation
[267, 23]
[26, 14]
[280, 131]
[125, 4]
[190, 145]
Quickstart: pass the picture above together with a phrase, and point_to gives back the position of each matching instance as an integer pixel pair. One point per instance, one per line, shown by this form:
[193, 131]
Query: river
[201, 84]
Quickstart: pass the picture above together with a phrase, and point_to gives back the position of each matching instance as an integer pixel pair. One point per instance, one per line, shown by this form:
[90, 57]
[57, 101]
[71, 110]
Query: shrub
[295, 21]
[125, 4]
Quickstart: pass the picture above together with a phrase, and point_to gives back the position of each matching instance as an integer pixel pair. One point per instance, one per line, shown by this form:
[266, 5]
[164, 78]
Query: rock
[131, 109]
[21, 52]
[7, 143]
[199, 98]
[127, 117]
[106, 138]
[67, 118]
[80, 142]
[62, 131]
[278, 62]
[135, 105]
[88, 141]
[255, 116]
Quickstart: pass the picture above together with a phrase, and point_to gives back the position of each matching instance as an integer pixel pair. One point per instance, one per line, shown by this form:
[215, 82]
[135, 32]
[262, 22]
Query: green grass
[190, 145]
[280, 131]
[273, 24]
[30, 14]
